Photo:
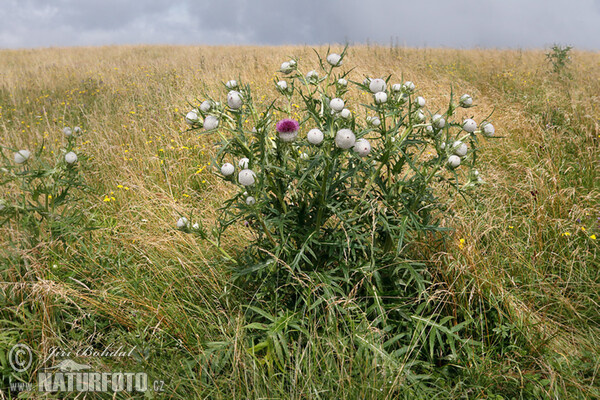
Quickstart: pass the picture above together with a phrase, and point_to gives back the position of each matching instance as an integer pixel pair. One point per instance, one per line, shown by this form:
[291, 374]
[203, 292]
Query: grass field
[522, 258]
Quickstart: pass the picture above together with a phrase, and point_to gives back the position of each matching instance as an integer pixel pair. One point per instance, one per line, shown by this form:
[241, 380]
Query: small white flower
[362, 147]
[336, 104]
[182, 223]
[375, 121]
[345, 139]
[312, 75]
[210, 122]
[469, 125]
[420, 101]
[334, 59]
[244, 162]
[232, 84]
[292, 63]
[191, 117]
[438, 121]
[227, 169]
[234, 100]
[196, 226]
[250, 200]
[460, 148]
[77, 130]
[314, 136]
[286, 67]
[429, 128]
[345, 113]
[342, 82]
[377, 85]
[396, 87]
[380, 97]
[488, 129]
[246, 177]
[466, 101]
[420, 116]
[409, 86]
[22, 156]
[67, 131]
[205, 106]
[443, 145]
[453, 161]
[71, 157]
[282, 85]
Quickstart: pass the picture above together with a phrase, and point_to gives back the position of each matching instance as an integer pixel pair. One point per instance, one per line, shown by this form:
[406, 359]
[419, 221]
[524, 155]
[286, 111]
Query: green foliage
[559, 57]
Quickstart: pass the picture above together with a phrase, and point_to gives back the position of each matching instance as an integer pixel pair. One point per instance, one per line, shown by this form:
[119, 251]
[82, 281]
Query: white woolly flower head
[409, 87]
[244, 163]
[77, 130]
[70, 158]
[419, 116]
[377, 85]
[380, 97]
[334, 60]
[420, 102]
[488, 129]
[345, 113]
[375, 121]
[345, 139]
[336, 104]
[227, 169]
[211, 122]
[250, 200]
[453, 161]
[396, 87]
[469, 125]
[247, 177]
[234, 100]
[460, 148]
[342, 82]
[286, 67]
[182, 223]
[191, 117]
[362, 147]
[205, 106]
[314, 136]
[67, 131]
[466, 101]
[22, 156]
[282, 85]
[438, 121]
[232, 84]
[312, 76]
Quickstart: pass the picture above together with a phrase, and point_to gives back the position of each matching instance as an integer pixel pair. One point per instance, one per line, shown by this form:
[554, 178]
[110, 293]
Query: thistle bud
[314, 136]
[70, 158]
[234, 100]
[227, 169]
[453, 161]
[377, 85]
[345, 139]
[210, 122]
[334, 59]
[22, 156]
[469, 125]
[336, 104]
[246, 177]
[488, 129]
[362, 147]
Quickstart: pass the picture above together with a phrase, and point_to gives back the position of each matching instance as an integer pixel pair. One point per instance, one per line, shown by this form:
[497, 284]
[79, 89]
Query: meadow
[520, 260]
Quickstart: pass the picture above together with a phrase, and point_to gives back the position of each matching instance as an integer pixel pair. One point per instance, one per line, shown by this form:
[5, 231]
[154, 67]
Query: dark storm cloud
[459, 23]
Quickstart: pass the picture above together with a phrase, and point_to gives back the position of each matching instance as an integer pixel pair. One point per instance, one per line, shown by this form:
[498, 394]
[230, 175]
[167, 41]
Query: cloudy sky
[448, 23]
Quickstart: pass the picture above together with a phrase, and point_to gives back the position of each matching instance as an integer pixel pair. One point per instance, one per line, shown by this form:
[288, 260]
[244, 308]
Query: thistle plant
[559, 58]
[337, 192]
[42, 201]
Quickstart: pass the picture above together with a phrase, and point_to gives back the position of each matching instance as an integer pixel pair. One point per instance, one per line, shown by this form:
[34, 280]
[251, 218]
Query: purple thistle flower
[287, 125]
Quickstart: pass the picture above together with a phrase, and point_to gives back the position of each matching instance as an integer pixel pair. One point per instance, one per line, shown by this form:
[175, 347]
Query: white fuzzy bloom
[282, 85]
[205, 106]
[210, 122]
[288, 136]
[377, 85]
[234, 100]
[71, 157]
[429, 128]
[469, 125]
[191, 117]
[409, 86]
[336, 104]
[286, 67]
[453, 161]
[312, 75]
[231, 84]
[420, 116]
[334, 59]
[466, 101]
[196, 226]
[380, 97]
[460, 148]
[342, 82]
[243, 163]
[443, 145]
[227, 169]
[77, 130]
[345, 139]
[246, 177]
[488, 129]
[292, 63]
[22, 156]
[375, 121]
[345, 113]
[314, 136]
[420, 101]
[250, 200]
[182, 223]
[396, 87]
[438, 121]
[362, 147]
[67, 131]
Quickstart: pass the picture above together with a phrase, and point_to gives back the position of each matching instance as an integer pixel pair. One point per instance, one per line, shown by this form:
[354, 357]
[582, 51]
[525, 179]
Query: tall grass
[526, 270]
